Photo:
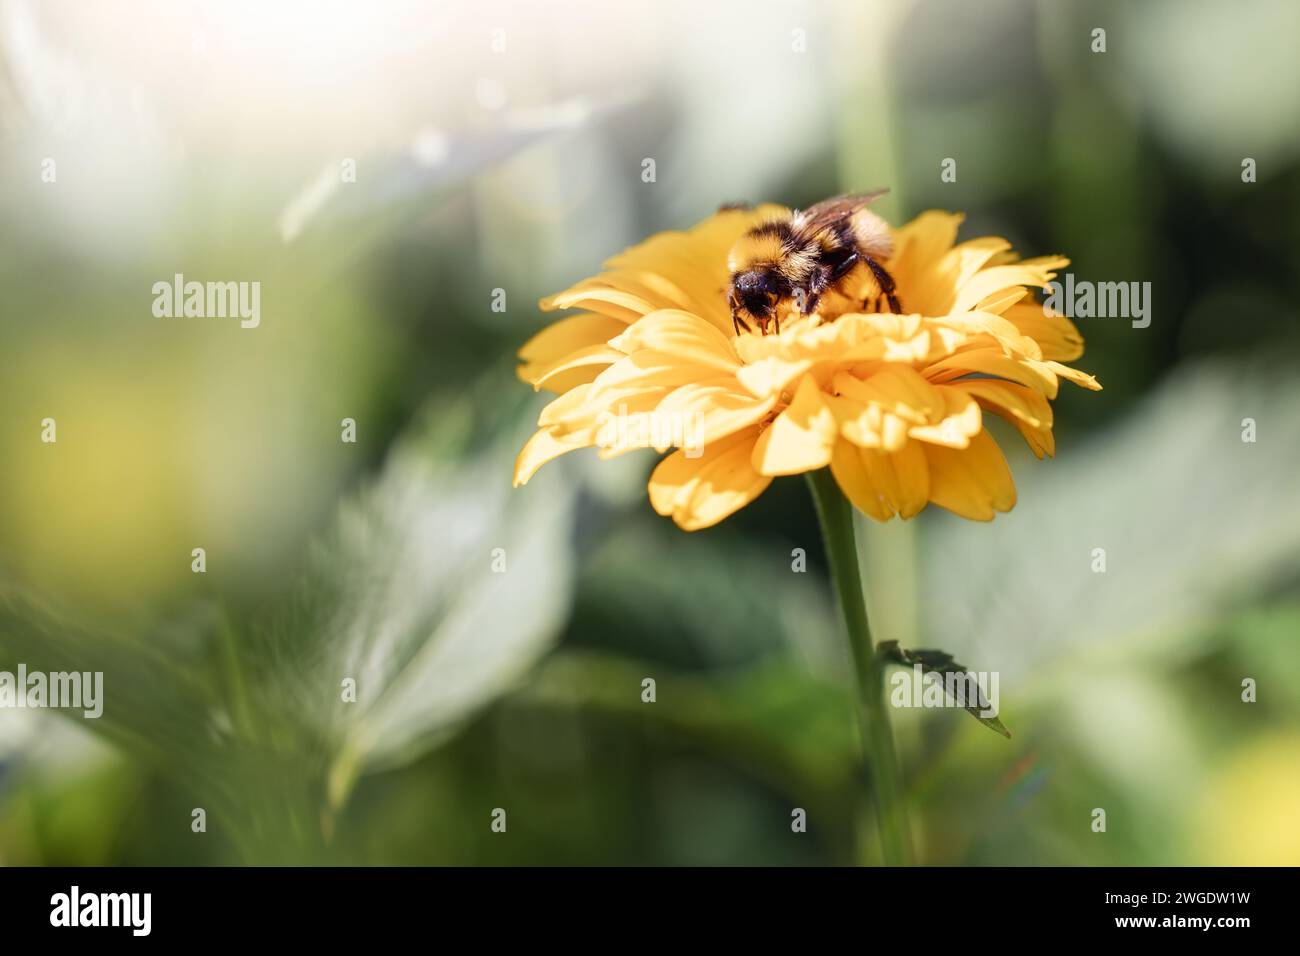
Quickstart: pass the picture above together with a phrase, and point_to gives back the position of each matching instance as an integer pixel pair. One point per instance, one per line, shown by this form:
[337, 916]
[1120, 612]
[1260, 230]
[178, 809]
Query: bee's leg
[737, 322]
[841, 266]
[886, 281]
[821, 279]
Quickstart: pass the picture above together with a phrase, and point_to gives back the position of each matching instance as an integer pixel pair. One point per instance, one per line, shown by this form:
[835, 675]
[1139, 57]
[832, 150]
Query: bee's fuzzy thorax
[871, 235]
[773, 245]
[754, 250]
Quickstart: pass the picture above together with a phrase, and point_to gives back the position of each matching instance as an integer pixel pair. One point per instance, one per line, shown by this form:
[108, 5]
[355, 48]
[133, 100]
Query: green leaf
[438, 588]
[944, 665]
[1195, 524]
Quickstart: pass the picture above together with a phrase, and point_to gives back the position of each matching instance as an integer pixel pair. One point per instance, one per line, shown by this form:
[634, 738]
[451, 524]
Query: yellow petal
[562, 382]
[883, 484]
[961, 420]
[898, 389]
[1057, 336]
[543, 447]
[909, 351]
[1035, 273]
[851, 475]
[694, 261]
[595, 296]
[711, 410]
[893, 432]
[912, 473]
[590, 362]
[695, 268]
[944, 340]
[700, 492]
[1018, 401]
[645, 370]
[649, 286]
[555, 412]
[770, 376]
[985, 328]
[993, 361]
[860, 423]
[967, 258]
[998, 302]
[1025, 408]
[688, 337]
[800, 438]
[608, 416]
[973, 482]
[953, 269]
[560, 340]
[917, 264]
[1074, 375]
[568, 335]
[878, 412]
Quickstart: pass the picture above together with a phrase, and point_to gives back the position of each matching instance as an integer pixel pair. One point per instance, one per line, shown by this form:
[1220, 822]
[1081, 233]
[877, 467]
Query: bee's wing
[828, 213]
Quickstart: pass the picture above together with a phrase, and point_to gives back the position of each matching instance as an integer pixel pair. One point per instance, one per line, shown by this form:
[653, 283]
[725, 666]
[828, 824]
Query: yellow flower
[893, 404]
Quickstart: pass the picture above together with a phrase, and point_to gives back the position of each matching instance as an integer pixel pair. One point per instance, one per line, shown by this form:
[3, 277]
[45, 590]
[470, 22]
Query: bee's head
[754, 294]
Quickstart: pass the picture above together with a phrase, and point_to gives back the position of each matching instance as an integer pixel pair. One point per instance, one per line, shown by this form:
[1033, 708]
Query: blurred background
[501, 146]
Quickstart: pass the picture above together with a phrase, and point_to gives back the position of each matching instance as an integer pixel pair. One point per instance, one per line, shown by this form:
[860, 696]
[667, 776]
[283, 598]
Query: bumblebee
[802, 256]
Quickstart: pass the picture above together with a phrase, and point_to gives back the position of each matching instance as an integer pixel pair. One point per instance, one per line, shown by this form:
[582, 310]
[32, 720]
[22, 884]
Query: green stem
[241, 710]
[836, 516]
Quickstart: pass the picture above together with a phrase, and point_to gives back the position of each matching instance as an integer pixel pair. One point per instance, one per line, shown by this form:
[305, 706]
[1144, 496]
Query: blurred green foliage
[523, 690]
